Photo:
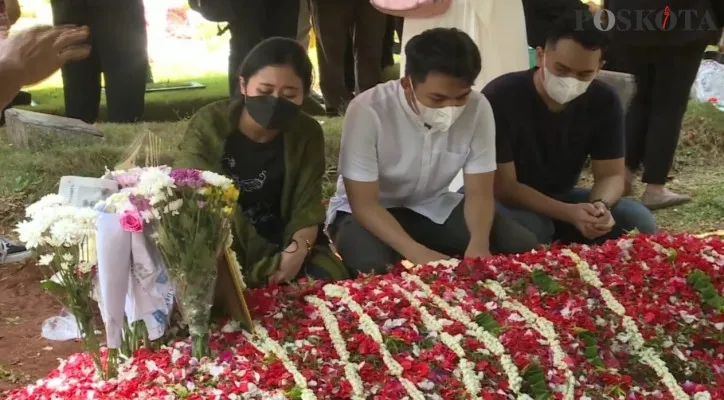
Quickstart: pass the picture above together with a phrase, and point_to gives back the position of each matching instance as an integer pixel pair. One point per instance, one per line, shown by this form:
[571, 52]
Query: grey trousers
[361, 251]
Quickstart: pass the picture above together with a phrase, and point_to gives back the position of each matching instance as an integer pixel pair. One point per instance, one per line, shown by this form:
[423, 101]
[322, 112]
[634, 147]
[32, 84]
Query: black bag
[214, 10]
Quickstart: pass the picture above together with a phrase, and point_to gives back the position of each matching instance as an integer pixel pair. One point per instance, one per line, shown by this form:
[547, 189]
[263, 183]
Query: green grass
[165, 106]
[27, 175]
[160, 106]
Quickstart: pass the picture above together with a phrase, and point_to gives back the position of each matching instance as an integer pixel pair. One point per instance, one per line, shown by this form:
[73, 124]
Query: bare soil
[24, 354]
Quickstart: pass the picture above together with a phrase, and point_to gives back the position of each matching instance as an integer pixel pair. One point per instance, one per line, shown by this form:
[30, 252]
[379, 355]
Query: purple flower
[689, 387]
[226, 356]
[187, 178]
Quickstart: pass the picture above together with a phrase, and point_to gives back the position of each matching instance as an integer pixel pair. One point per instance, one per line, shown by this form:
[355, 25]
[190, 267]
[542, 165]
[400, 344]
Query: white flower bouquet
[63, 236]
[189, 214]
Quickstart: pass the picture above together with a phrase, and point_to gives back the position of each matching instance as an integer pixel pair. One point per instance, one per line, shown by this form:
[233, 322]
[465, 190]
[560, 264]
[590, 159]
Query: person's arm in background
[359, 168]
[594, 7]
[479, 175]
[11, 76]
[13, 11]
[30, 56]
[718, 7]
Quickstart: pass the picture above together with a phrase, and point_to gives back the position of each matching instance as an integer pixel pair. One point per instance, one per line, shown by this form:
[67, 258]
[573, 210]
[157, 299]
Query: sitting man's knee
[631, 215]
[524, 241]
[511, 237]
[543, 229]
[358, 262]
[361, 251]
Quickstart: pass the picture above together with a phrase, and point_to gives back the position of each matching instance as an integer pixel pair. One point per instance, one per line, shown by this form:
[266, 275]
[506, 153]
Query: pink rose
[131, 221]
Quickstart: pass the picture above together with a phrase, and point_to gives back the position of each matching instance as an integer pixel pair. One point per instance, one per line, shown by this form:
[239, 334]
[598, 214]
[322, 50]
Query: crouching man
[403, 143]
[549, 121]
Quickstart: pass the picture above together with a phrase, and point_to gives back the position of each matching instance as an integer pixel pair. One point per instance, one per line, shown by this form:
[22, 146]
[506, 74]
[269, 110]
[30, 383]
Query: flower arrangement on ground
[188, 212]
[135, 296]
[637, 318]
[62, 235]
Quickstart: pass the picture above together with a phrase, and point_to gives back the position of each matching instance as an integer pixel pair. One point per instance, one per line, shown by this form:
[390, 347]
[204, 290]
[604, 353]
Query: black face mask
[271, 112]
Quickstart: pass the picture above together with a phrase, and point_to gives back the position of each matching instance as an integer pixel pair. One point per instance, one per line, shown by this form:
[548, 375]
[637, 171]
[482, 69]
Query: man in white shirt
[403, 143]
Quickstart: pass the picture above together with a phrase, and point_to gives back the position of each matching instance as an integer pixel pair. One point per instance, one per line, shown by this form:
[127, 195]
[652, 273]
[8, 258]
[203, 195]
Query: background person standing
[304, 24]
[118, 38]
[665, 63]
[254, 21]
[497, 27]
[332, 21]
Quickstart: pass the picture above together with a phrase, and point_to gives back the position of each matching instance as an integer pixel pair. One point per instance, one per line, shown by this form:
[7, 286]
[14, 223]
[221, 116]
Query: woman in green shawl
[275, 154]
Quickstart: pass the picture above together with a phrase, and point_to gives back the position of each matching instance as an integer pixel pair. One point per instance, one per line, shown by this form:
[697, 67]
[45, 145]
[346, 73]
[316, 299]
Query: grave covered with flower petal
[637, 318]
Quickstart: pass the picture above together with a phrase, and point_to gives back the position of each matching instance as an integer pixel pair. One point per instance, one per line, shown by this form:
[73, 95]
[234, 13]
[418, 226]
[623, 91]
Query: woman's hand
[291, 263]
[593, 7]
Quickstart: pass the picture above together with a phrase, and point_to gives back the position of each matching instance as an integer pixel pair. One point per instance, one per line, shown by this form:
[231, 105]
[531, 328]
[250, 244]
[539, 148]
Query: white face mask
[563, 89]
[438, 118]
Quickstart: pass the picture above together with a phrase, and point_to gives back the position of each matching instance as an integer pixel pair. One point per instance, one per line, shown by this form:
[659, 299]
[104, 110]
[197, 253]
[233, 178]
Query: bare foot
[656, 197]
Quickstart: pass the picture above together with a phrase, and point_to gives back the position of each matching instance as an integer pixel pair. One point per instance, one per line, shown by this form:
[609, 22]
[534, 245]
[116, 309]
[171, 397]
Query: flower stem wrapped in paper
[136, 298]
[190, 213]
[62, 235]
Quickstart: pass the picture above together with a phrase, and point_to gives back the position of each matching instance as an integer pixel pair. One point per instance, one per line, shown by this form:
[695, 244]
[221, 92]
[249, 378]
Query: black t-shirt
[549, 148]
[258, 171]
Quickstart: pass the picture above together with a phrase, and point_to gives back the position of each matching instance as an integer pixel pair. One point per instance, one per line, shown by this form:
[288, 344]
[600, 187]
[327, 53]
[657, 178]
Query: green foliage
[591, 351]
[54, 288]
[488, 322]
[534, 382]
[700, 281]
[545, 282]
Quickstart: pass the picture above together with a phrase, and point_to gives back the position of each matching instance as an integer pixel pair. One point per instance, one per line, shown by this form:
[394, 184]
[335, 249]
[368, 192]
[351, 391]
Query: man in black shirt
[549, 121]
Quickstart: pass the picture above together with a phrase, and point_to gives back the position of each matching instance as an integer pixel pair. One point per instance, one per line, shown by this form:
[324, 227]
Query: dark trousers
[361, 251]
[255, 21]
[629, 215]
[394, 26]
[333, 20]
[21, 99]
[119, 54]
[664, 75]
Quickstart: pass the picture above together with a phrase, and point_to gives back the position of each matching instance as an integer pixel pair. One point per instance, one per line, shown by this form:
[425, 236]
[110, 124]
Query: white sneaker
[11, 253]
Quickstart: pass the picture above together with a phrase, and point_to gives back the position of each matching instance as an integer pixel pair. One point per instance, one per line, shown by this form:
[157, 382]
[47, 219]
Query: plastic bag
[61, 328]
[709, 83]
